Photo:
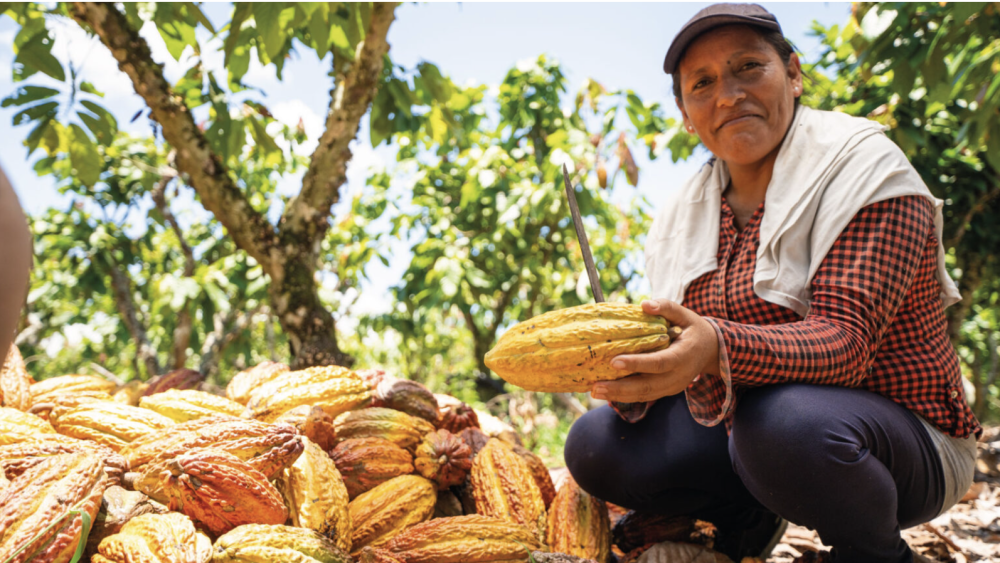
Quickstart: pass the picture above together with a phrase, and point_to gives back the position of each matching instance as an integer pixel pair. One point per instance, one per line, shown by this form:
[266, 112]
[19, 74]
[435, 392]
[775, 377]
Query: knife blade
[581, 235]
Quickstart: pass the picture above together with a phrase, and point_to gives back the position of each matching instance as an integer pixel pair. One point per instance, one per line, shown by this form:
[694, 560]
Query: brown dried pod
[464, 539]
[456, 418]
[313, 423]
[443, 458]
[17, 458]
[118, 506]
[178, 379]
[156, 538]
[365, 463]
[540, 473]
[475, 438]
[381, 513]
[15, 383]
[637, 529]
[504, 487]
[408, 396]
[244, 382]
[220, 492]
[578, 524]
[377, 422]
[35, 518]
[316, 496]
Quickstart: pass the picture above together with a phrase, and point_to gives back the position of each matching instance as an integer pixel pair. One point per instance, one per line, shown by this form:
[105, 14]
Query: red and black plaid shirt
[875, 321]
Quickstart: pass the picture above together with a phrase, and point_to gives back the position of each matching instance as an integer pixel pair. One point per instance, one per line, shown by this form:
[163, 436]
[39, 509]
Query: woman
[15, 257]
[803, 264]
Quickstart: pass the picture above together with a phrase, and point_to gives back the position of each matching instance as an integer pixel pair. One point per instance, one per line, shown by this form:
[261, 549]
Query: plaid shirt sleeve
[855, 295]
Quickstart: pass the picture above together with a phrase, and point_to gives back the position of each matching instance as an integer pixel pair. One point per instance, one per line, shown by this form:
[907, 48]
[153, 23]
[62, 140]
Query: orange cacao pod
[365, 463]
[156, 538]
[316, 496]
[464, 539]
[456, 418]
[578, 524]
[313, 423]
[17, 458]
[377, 422]
[504, 487]
[379, 514]
[219, 491]
[244, 382]
[44, 495]
[443, 458]
[15, 383]
[539, 472]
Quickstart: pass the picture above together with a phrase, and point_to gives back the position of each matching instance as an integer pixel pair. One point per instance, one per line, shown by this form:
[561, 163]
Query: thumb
[676, 314]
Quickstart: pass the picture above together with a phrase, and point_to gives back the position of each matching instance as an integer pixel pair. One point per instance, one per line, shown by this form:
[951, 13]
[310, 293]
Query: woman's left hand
[669, 371]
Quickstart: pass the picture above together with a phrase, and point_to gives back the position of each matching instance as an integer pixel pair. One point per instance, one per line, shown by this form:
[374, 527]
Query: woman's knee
[589, 451]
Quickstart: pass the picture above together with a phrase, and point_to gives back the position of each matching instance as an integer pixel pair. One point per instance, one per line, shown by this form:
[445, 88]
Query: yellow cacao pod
[571, 349]
[579, 524]
[334, 389]
[365, 463]
[379, 422]
[35, 519]
[113, 424]
[130, 393]
[316, 496]
[381, 513]
[539, 472]
[464, 539]
[17, 458]
[504, 487]
[156, 538]
[182, 405]
[118, 507]
[15, 383]
[46, 390]
[244, 382]
[17, 426]
[260, 543]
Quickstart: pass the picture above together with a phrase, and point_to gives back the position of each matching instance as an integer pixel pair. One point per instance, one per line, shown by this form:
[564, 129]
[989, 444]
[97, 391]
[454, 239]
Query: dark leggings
[850, 464]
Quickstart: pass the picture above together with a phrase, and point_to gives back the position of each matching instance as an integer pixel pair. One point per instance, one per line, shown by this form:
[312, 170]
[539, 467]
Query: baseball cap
[714, 16]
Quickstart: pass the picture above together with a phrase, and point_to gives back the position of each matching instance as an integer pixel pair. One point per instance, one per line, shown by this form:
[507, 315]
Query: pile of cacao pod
[324, 464]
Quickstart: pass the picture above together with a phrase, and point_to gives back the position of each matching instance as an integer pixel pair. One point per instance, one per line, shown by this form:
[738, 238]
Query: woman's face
[737, 94]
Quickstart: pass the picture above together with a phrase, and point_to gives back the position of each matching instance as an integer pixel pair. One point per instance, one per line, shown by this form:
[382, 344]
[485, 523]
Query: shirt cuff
[710, 397]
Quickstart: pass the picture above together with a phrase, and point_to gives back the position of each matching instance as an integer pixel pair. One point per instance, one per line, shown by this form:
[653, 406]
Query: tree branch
[122, 289]
[226, 330]
[356, 83]
[205, 170]
[976, 209]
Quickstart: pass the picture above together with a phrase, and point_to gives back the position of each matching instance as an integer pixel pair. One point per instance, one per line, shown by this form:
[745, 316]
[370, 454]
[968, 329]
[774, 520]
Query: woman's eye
[751, 65]
[699, 84]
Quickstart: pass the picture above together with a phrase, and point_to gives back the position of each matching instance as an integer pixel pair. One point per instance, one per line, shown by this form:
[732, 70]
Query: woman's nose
[730, 92]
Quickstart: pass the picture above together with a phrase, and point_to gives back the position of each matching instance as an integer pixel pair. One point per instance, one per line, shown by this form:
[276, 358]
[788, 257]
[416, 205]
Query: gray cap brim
[695, 28]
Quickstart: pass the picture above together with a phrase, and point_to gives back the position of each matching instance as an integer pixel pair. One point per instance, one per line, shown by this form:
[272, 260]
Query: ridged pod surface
[381, 513]
[579, 524]
[457, 417]
[316, 496]
[17, 426]
[465, 539]
[411, 397]
[332, 388]
[44, 495]
[118, 506]
[244, 382]
[178, 379]
[113, 424]
[156, 538]
[261, 543]
[269, 448]
[376, 555]
[378, 422]
[182, 405]
[365, 463]
[313, 423]
[219, 491]
[571, 349]
[47, 389]
[539, 472]
[443, 458]
[504, 487]
[61, 404]
[15, 383]
[18, 458]
[130, 393]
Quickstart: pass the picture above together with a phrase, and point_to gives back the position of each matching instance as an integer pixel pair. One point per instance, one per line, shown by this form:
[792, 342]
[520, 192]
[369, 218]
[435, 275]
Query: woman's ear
[687, 121]
[794, 70]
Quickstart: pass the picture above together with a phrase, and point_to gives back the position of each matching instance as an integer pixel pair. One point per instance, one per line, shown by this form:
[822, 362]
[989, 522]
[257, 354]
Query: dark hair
[778, 41]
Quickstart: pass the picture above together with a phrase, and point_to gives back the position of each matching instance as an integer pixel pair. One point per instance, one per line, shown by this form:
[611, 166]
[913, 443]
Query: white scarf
[830, 165]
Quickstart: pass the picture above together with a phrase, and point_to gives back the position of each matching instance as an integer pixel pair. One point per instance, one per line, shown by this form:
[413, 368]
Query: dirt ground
[968, 532]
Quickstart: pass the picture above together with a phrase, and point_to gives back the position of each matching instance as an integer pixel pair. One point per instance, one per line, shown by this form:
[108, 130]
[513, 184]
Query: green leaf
[36, 55]
[240, 14]
[194, 10]
[438, 125]
[34, 113]
[264, 141]
[39, 133]
[84, 156]
[319, 28]
[89, 88]
[380, 126]
[28, 94]
[267, 18]
[177, 35]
